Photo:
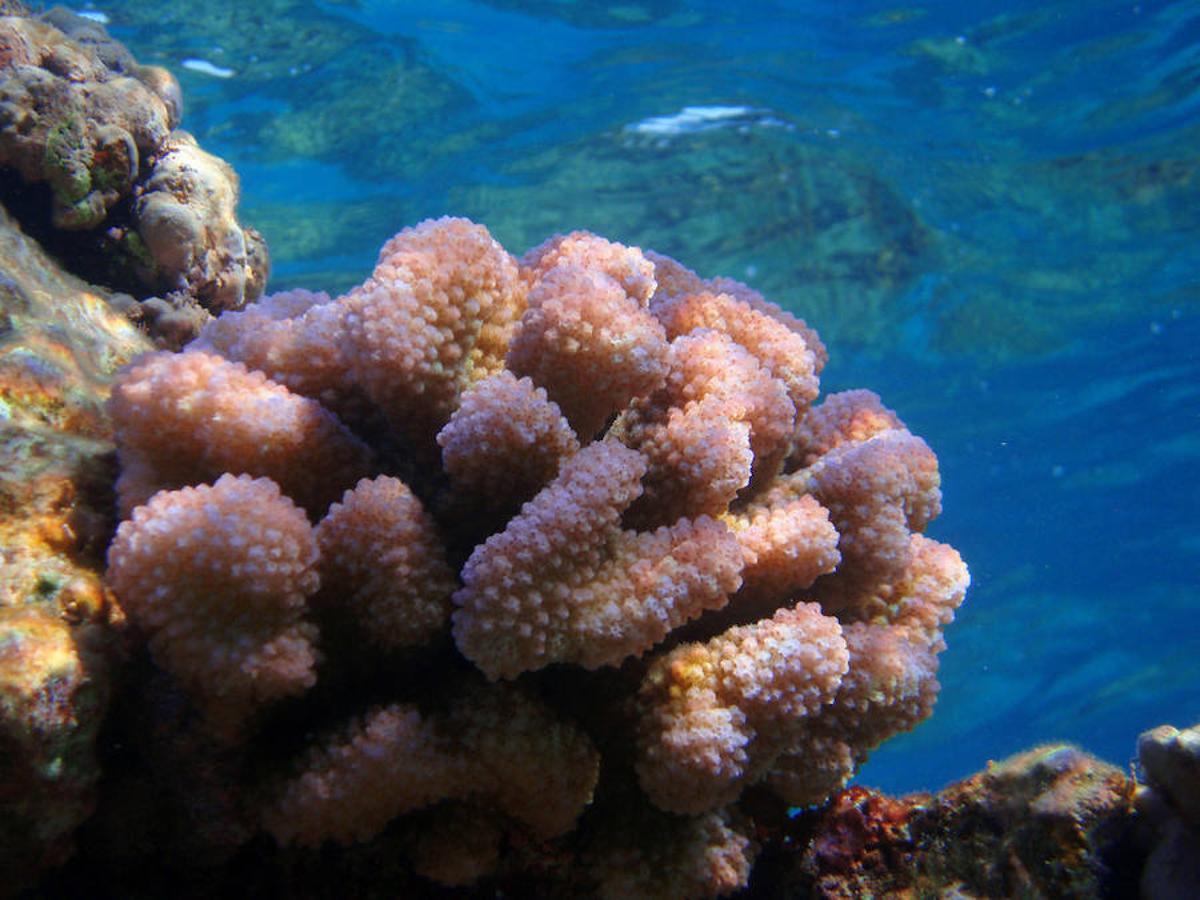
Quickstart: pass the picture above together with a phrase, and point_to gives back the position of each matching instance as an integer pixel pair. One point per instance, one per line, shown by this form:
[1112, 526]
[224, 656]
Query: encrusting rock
[131, 201]
[1169, 802]
[61, 342]
[186, 213]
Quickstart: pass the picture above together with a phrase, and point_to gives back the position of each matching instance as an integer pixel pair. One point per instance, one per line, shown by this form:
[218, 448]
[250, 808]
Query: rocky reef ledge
[95, 167]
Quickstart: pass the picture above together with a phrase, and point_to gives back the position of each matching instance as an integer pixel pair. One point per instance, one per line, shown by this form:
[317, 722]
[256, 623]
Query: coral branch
[505, 441]
[714, 716]
[435, 316]
[186, 418]
[217, 577]
[593, 347]
[382, 566]
[565, 583]
[494, 744]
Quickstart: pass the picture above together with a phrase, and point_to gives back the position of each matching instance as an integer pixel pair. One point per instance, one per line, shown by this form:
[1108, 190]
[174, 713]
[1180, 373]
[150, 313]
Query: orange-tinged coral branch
[714, 716]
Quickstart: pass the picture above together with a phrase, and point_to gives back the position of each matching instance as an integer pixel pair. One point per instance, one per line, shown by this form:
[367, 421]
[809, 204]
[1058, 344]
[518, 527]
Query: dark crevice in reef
[99, 256]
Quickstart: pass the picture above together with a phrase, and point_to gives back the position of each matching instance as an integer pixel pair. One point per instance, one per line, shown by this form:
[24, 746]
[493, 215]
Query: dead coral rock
[60, 343]
[92, 36]
[68, 119]
[186, 216]
[1050, 822]
[1060, 813]
[54, 687]
[1171, 761]
[91, 165]
[1169, 802]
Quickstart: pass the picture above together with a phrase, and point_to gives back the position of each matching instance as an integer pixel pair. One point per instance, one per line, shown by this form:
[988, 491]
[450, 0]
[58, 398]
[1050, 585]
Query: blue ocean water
[990, 210]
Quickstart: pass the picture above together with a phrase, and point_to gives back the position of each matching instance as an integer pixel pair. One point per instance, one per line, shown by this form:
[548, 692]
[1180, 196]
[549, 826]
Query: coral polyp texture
[231, 621]
[546, 570]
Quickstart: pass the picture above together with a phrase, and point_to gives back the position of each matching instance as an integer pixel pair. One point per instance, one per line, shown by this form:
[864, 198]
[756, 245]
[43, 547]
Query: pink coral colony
[562, 541]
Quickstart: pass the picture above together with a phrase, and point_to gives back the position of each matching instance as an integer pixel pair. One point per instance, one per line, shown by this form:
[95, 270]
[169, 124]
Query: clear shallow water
[990, 210]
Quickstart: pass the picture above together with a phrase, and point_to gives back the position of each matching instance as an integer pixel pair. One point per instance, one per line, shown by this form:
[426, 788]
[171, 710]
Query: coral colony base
[547, 566]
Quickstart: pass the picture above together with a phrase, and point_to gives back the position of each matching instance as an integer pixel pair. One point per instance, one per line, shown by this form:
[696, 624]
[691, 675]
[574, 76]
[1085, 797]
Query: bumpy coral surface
[183, 418]
[435, 316]
[380, 540]
[601, 576]
[493, 743]
[231, 625]
[565, 583]
[714, 715]
[133, 202]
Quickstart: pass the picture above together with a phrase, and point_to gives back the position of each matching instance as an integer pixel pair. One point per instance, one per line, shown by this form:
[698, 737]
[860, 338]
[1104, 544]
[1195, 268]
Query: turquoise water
[990, 210]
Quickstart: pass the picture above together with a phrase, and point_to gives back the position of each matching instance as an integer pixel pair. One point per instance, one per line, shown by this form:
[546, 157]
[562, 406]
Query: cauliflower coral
[534, 565]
